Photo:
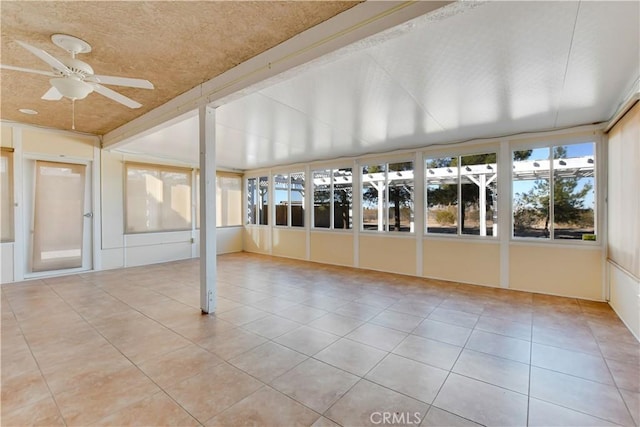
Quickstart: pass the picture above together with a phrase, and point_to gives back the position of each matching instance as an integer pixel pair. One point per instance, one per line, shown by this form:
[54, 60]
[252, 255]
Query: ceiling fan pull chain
[73, 114]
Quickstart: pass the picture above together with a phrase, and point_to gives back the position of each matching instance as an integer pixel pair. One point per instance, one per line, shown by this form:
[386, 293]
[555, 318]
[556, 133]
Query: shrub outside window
[461, 195]
[554, 192]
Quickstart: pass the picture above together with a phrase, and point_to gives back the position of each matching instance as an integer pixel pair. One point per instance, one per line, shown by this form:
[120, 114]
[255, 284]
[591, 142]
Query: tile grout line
[629, 413]
[36, 361]
[119, 351]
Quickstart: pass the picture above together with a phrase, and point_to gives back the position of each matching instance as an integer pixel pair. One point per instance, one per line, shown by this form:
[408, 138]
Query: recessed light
[28, 111]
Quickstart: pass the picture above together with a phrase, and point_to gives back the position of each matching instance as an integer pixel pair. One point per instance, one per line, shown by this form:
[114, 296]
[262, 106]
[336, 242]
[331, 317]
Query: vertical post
[207, 209]
[483, 204]
[356, 209]
[379, 188]
[419, 209]
[505, 230]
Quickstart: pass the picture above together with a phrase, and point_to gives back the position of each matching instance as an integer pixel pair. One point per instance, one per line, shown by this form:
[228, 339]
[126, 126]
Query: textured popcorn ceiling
[175, 45]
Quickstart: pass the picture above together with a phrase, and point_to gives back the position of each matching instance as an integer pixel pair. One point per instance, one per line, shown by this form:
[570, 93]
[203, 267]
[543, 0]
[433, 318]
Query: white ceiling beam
[364, 20]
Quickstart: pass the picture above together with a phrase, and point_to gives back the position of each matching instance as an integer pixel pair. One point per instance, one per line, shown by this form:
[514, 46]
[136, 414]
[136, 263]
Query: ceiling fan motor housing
[78, 68]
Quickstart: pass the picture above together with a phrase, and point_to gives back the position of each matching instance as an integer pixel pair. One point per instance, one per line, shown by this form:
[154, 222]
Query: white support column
[483, 204]
[307, 203]
[419, 208]
[356, 210]
[504, 209]
[208, 290]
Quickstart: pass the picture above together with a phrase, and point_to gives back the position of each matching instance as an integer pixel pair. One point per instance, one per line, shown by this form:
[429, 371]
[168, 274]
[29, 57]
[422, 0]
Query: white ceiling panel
[177, 141]
[602, 67]
[472, 70]
[355, 95]
[492, 65]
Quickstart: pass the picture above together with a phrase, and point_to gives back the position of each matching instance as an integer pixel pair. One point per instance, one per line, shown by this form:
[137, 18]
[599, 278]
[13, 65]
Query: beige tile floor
[295, 343]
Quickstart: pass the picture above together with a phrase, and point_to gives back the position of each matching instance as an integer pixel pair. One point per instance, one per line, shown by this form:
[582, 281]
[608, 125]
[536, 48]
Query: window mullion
[459, 196]
[289, 200]
[331, 196]
[552, 196]
[386, 203]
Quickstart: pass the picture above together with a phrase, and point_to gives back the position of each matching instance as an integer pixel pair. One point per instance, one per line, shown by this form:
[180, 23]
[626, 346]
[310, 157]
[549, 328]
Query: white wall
[33, 143]
[126, 250]
[112, 247]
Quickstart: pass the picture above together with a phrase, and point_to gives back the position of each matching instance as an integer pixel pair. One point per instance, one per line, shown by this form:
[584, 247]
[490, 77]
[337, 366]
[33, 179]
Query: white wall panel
[112, 258]
[6, 262]
[625, 297]
[143, 255]
[112, 200]
[228, 240]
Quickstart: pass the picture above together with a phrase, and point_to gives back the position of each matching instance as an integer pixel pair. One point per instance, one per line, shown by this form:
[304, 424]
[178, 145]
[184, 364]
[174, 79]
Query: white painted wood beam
[208, 250]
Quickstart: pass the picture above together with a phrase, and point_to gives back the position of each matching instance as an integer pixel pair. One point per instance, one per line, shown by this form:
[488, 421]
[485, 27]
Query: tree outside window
[554, 192]
[387, 197]
[462, 195]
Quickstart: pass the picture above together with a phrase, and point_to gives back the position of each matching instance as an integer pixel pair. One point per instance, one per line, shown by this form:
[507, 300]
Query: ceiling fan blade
[111, 94]
[53, 62]
[52, 95]
[28, 70]
[122, 81]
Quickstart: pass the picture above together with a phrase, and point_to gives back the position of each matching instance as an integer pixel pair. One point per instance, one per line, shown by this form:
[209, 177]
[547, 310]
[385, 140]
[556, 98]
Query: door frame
[22, 251]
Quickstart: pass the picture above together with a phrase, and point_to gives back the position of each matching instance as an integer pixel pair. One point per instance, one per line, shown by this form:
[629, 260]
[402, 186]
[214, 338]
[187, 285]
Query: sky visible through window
[573, 150]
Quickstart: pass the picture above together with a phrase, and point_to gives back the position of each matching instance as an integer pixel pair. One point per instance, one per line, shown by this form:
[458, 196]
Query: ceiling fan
[75, 79]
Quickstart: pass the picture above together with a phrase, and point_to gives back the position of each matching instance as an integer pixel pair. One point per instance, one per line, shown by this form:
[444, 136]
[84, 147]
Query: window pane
[479, 180]
[531, 193]
[144, 194]
[176, 209]
[58, 221]
[400, 179]
[573, 191]
[441, 178]
[297, 199]
[6, 192]
[322, 198]
[252, 201]
[229, 200]
[263, 200]
[158, 198]
[281, 198]
[342, 198]
[373, 197]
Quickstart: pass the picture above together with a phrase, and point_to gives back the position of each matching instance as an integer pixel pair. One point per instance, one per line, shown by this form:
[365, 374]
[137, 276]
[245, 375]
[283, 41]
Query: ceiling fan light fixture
[71, 88]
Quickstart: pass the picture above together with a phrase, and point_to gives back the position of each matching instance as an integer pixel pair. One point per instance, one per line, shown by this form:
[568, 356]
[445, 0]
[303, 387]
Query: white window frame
[470, 151]
[549, 143]
[387, 160]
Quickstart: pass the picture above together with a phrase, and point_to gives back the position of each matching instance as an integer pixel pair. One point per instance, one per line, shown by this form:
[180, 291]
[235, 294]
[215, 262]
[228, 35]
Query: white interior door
[60, 232]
